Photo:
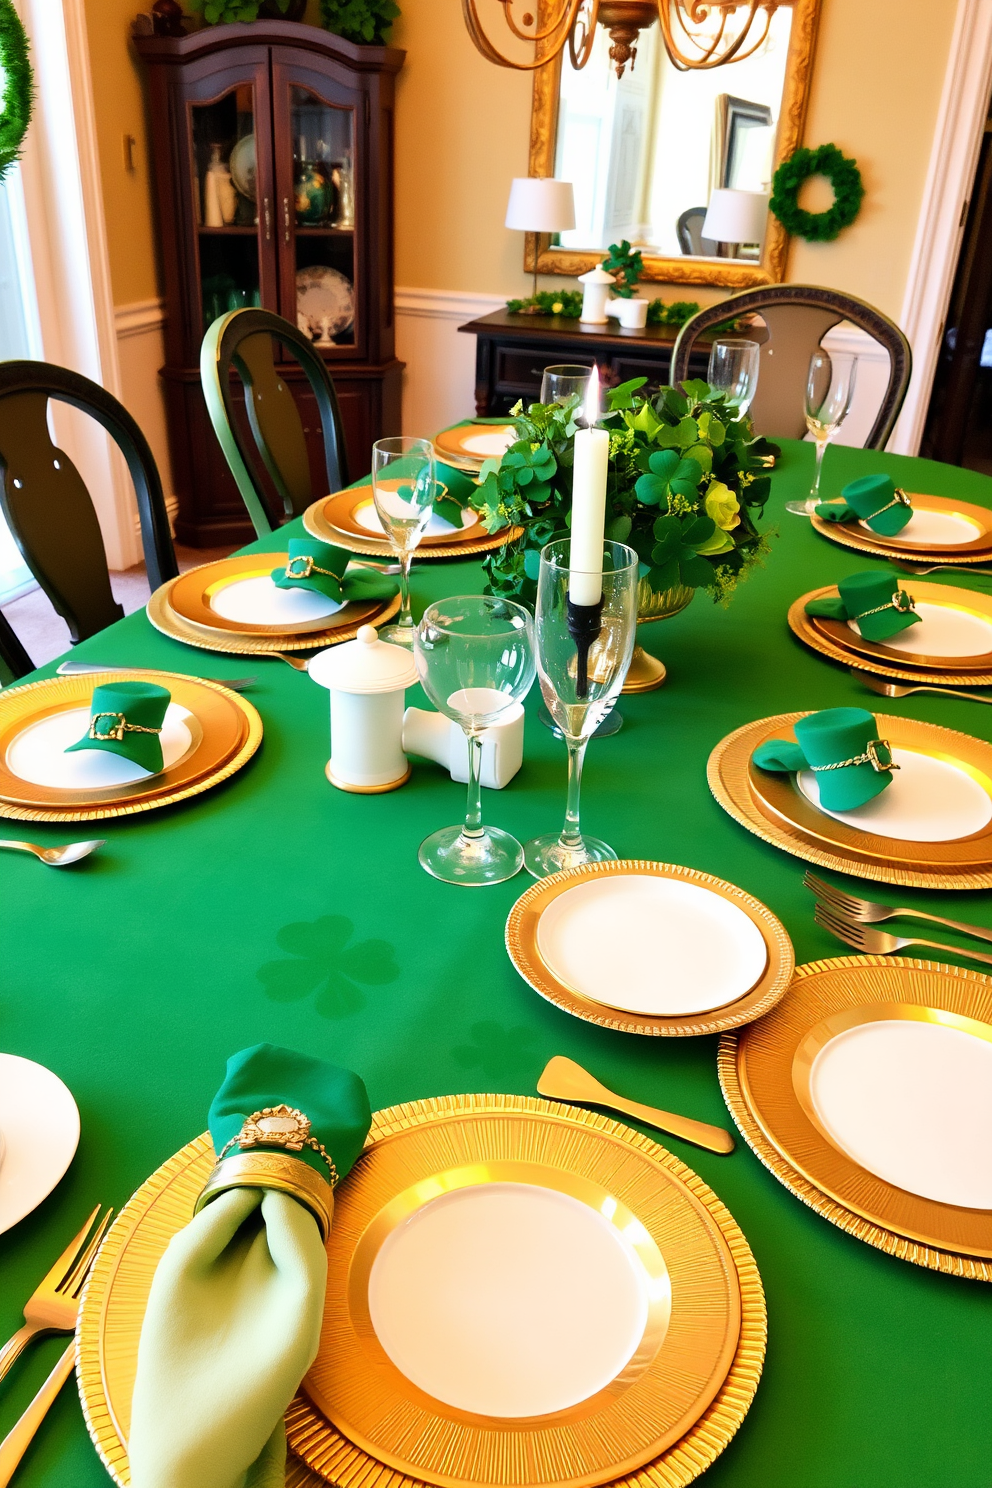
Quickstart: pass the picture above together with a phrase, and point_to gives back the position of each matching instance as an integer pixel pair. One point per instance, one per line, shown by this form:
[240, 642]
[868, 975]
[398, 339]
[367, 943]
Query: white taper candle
[592, 454]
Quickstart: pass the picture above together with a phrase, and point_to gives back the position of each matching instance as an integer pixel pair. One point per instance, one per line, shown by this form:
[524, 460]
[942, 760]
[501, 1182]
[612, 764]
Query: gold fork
[870, 912]
[54, 1305]
[879, 943]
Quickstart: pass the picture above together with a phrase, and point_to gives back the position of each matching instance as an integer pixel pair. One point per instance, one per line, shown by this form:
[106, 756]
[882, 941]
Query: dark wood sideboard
[512, 352]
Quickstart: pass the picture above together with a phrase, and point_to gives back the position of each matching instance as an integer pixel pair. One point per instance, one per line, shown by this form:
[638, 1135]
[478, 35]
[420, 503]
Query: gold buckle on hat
[870, 757]
[280, 1126]
[118, 729]
[309, 567]
[901, 602]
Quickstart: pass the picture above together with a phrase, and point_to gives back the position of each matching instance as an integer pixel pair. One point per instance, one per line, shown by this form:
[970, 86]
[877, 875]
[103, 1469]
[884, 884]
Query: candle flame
[592, 399]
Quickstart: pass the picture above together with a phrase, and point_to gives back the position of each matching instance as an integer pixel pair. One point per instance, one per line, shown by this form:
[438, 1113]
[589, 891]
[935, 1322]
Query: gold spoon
[563, 1079]
[299, 663]
[896, 690]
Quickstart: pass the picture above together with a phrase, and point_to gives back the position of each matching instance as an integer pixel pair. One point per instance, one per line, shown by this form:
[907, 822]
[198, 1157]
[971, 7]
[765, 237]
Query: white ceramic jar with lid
[367, 679]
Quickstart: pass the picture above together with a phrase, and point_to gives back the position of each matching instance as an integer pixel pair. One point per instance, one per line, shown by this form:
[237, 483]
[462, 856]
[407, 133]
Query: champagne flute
[829, 389]
[733, 371]
[403, 489]
[559, 384]
[475, 657]
[578, 716]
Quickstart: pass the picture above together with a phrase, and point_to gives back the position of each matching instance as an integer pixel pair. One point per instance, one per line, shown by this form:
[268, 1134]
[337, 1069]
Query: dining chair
[241, 343]
[689, 231]
[14, 660]
[796, 319]
[45, 502]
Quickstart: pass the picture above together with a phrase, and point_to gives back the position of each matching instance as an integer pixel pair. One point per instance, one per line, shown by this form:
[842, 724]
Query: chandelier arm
[564, 22]
[706, 60]
[485, 46]
[580, 58]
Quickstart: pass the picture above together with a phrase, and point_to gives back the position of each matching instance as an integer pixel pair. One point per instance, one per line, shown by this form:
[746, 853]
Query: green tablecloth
[246, 914]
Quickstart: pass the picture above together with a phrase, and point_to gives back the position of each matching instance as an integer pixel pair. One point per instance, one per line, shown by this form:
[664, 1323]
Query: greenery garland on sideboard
[845, 178]
[18, 86]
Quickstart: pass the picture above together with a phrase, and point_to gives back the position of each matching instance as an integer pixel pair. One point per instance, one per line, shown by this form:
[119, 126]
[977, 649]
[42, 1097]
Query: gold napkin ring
[280, 1126]
[118, 729]
[309, 567]
[902, 602]
[276, 1170]
[871, 757]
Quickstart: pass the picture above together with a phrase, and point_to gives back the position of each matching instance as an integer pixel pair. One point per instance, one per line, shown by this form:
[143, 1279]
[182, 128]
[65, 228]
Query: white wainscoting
[439, 381]
[141, 352]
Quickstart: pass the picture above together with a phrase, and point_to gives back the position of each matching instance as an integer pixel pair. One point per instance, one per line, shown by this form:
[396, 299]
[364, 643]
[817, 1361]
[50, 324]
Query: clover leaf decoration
[675, 556]
[323, 962]
[496, 1050]
[669, 474]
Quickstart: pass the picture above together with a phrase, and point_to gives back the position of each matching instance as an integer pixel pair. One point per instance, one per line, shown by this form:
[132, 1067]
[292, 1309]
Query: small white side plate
[37, 754]
[40, 1125]
[366, 516]
[258, 601]
[936, 529]
[657, 946]
[508, 1300]
[942, 631]
[929, 800]
[912, 1103]
[490, 444]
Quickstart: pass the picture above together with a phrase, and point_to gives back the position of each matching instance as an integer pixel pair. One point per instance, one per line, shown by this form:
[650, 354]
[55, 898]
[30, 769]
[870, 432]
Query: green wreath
[18, 86]
[844, 177]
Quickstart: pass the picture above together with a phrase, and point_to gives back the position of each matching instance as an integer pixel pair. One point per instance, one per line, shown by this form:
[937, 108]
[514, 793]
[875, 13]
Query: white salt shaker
[441, 739]
[367, 679]
[597, 285]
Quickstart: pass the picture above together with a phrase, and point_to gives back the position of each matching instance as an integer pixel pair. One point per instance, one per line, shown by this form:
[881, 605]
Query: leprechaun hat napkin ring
[257, 1165]
[842, 749]
[126, 719]
[873, 499]
[874, 600]
[322, 568]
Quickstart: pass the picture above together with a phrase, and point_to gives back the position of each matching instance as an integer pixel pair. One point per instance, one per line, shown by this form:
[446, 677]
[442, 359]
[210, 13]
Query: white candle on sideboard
[592, 455]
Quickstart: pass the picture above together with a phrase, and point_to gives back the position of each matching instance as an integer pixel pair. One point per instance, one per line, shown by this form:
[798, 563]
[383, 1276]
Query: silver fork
[870, 912]
[879, 942]
[83, 668]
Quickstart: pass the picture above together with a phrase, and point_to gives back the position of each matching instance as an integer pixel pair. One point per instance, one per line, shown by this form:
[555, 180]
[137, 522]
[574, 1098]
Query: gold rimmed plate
[332, 519]
[819, 636]
[471, 444]
[962, 864]
[445, 1169]
[222, 731]
[954, 633]
[867, 1093]
[353, 513]
[721, 959]
[946, 511]
[242, 585]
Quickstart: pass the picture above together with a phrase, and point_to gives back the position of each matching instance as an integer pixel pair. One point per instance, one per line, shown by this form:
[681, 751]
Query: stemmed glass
[829, 390]
[558, 672]
[475, 656]
[733, 371]
[561, 383]
[403, 489]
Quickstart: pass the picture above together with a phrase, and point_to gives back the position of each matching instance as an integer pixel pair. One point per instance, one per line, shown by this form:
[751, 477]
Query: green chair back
[46, 504]
[242, 343]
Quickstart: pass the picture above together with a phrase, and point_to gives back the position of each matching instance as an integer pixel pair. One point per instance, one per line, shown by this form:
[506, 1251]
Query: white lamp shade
[736, 216]
[545, 206]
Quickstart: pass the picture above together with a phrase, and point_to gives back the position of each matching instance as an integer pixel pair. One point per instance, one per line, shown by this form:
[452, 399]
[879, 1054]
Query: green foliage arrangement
[18, 86]
[845, 178]
[225, 12]
[676, 313]
[685, 489]
[567, 304]
[364, 21]
[626, 265]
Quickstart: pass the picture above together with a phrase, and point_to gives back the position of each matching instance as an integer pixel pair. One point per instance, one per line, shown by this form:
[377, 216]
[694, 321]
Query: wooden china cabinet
[273, 161]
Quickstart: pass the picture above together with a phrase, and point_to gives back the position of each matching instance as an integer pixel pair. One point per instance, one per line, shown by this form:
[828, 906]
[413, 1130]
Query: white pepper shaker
[367, 679]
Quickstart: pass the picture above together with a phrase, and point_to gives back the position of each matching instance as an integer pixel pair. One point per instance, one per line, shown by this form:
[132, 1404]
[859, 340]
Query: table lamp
[736, 216]
[540, 205]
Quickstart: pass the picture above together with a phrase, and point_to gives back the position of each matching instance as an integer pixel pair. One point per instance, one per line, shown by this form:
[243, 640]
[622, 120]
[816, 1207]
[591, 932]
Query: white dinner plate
[40, 1125]
[935, 529]
[656, 946]
[911, 1101]
[509, 1299]
[366, 516]
[258, 601]
[928, 800]
[37, 753]
[489, 444]
[943, 630]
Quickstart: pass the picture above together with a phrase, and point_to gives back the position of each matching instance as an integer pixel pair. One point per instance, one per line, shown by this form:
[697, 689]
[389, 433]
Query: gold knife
[21, 1435]
[563, 1079]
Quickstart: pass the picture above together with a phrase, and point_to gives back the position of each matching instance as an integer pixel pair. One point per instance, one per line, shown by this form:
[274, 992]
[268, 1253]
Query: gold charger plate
[228, 731]
[785, 803]
[191, 593]
[944, 596]
[523, 950]
[852, 535]
[450, 443]
[414, 1152]
[872, 659]
[165, 619]
[757, 1075]
[728, 773]
[331, 520]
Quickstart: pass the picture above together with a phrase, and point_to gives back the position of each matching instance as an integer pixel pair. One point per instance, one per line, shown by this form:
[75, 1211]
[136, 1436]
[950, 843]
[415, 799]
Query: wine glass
[403, 489]
[475, 657]
[559, 384]
[733, 371]
[829, 390]
[576, 710]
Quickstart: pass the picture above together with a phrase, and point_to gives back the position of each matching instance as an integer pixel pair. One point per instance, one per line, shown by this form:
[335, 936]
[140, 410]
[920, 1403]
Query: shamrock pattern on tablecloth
[496, 1050]
[322, 961]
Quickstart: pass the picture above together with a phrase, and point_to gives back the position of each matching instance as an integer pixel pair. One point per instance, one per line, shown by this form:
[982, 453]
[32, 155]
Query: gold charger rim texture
[802, 627]
[348, 1466]
[449, 444]
[850, 535]
[194, 785]
[727, 774]
[364, 496]
[165, 620]
[317, 524]
[193, 585]
[773, 1156]
[521, 946]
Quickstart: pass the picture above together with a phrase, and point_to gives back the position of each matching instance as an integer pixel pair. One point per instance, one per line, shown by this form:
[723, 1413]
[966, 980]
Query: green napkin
[875, 499]
[126, 719]
[233, 1317]
[841, 746]
[872, 598]
[321, 568]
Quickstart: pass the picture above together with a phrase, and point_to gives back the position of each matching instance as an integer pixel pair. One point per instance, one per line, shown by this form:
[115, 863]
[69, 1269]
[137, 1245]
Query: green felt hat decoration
[874, 499]
[874, 600]
[841, 746]
[322, 568]
[126, 718]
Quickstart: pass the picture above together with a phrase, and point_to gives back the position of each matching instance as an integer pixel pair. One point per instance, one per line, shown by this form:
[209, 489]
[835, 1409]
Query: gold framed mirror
[646, 151]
